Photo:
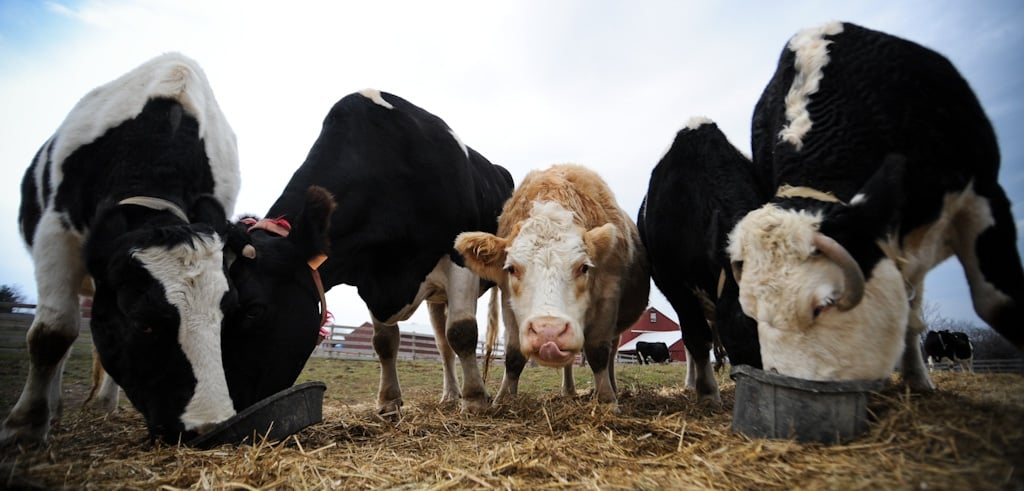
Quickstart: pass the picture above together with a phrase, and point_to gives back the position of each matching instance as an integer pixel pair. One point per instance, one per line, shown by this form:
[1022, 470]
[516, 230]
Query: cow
[572, 275]
[697, 192]
[648, 353]
[950, 346]
[882, 164]
[404, 185]
[128, 201]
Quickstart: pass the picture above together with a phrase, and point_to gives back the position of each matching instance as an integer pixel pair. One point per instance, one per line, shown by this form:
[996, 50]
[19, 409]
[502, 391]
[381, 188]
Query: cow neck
[154, 203]
[787, 191]
[281, 226]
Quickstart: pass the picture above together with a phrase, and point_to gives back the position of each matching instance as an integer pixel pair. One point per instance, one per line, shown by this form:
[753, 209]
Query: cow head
[160, 294]
[821, 315]
[268, 339]
[544, 268]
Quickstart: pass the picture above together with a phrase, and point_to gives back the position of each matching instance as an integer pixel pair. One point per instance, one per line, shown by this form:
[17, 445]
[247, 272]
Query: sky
[528, 84]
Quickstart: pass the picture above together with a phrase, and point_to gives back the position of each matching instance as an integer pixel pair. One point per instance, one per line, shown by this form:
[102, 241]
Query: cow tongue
[549, 352]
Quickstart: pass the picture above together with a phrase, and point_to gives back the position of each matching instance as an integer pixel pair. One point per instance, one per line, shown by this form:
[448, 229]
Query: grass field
[968, 435]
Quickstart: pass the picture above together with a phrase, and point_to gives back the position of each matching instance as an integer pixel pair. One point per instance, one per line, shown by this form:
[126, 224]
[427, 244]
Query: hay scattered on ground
[967, 436]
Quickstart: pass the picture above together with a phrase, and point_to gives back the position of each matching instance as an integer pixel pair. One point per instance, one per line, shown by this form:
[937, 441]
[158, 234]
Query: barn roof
[667, 337]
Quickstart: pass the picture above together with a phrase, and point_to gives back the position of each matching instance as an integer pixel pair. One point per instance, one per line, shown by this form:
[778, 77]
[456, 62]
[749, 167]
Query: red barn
[654, 327]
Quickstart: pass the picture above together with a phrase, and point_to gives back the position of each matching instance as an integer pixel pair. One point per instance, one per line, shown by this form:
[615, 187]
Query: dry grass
[969, 435]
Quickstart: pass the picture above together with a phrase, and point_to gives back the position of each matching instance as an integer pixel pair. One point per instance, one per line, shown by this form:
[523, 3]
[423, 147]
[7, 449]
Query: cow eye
[512, 270]
[583, 269]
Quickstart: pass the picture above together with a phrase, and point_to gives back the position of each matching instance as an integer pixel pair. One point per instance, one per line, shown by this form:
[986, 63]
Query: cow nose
[544, 329]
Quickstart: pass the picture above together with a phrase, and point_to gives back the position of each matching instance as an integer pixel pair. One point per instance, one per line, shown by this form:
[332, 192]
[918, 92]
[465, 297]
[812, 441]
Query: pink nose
[541, 330]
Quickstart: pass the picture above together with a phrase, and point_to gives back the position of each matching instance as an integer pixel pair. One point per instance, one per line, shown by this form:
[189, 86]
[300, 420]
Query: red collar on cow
[279, 225]
[154, 203]
[282, 227]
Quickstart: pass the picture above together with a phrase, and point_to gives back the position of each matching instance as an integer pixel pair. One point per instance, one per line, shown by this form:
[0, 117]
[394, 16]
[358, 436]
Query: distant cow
[133, 191]
[697, 192]
[572, 273]
[882, 164]
[951, 346]
[405, 186]
[652, 352]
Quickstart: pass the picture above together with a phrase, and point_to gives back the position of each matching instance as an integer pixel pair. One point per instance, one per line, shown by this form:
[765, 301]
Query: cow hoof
[920, 386]
[476, 405]
[30, 435]
[391, 410]
[450, 397]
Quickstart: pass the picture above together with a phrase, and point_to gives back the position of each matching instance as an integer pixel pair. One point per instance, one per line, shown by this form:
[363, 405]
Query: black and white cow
[697, 192]
[882, 164]
[648, 353]
[405, 186]
[950, 346]
[133, 191]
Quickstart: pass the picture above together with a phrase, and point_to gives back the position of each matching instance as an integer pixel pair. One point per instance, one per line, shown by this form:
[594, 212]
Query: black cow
[133, 191]
[647, 353]
[950, 346]
[697, 192]
[405, 186]
[882, 164]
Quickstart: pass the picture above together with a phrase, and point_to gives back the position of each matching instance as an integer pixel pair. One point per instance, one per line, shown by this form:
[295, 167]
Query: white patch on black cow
[698, 121]
[375, 96]
[458, 140]
[189, 276]
[811, 50]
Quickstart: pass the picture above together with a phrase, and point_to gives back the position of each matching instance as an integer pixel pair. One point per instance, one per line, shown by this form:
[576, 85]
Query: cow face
[817, 317]
[545, 269]
[160, 293]
[268, 339]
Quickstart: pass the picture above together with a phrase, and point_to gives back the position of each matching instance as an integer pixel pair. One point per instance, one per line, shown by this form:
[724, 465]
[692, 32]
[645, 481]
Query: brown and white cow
[572, 273]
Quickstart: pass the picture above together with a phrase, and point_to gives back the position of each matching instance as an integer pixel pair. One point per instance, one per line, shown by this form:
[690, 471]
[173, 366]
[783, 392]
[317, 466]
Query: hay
[966, 436]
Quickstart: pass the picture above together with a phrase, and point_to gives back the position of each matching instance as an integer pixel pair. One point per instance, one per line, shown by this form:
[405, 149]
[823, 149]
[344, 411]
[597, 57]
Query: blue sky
[528, 84]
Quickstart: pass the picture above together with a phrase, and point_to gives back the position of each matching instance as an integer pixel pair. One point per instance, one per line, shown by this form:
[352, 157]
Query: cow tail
[97, 375]
[719, 349]
[492, 329]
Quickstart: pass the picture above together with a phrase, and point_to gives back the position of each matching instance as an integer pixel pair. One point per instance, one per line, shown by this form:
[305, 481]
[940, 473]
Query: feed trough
[770, 405]
[276, 417]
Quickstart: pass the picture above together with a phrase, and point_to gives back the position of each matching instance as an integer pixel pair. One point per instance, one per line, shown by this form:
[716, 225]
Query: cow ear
[310, 232]
[484, 254]
[601, 241]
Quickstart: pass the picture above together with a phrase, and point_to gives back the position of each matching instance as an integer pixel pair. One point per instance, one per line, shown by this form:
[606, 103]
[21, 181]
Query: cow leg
[438, 320]
[611, 363]
[700, 374]
[463, 291]
[600, 362]
[912, 367]
[985, 242]
[514, 359]
[568, 382]
[59, 273]
[385, 343]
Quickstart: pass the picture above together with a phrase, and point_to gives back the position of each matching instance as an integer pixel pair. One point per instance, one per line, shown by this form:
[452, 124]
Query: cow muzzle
[551, 341]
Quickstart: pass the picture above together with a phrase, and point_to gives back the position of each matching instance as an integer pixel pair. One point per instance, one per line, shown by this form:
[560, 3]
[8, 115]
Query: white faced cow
[572, 272]
[882, 164]
[133, 190]
[405, 186]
